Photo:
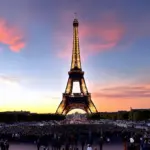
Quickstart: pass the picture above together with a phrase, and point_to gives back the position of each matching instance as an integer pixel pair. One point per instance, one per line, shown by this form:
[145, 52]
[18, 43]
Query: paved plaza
[33, 147]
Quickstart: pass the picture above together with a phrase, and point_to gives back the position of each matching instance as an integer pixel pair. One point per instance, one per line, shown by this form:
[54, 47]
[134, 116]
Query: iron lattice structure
[80, 100]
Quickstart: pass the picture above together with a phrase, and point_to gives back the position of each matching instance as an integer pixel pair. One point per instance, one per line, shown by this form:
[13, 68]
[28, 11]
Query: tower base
[76, 101]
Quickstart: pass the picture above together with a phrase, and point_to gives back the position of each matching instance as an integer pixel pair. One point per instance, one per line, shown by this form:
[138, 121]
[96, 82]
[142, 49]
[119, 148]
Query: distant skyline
[36, 46]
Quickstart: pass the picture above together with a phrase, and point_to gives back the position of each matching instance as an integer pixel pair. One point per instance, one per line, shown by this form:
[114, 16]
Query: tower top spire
[75, 22]
[75, 15]
[76, 61]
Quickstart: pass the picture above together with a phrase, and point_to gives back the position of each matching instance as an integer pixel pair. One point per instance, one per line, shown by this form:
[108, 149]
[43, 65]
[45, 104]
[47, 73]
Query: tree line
[6, 117]
[134, 115]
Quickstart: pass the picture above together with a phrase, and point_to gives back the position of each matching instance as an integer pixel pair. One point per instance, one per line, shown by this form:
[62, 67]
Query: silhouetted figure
[101, 143]
[58, 143]
[125, 142]
[67, 145]
[6, 145]
[82, 143]
[38, 144]
[89, 147]
[2, 145]
[132, 144]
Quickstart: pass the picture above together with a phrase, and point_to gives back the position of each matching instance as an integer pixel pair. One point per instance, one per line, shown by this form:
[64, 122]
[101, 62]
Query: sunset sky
[36, 46]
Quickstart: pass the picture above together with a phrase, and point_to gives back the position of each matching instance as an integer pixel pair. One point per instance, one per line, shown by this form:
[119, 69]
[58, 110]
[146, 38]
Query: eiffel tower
[80, 100]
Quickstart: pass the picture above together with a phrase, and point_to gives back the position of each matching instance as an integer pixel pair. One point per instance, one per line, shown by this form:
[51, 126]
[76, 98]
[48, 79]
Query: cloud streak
[8, 80]
[11, 36]
[124, 92]
[120, 97]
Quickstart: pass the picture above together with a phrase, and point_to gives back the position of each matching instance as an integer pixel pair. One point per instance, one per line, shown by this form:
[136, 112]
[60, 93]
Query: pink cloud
[11, 36]
[94, 37]
[120, 97]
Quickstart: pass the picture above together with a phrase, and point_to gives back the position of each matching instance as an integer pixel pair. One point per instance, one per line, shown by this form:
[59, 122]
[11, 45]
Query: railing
[78, 95]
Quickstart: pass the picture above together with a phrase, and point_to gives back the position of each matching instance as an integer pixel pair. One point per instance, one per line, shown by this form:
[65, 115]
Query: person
[146, 145]
[6, 145]
[2, 145]
[141, 143]
[82, 142]
[132, 144]
[125, 142]
[67, 145]
[108, 140]
[89, 147]
[38, 144]
[131, 140]
[101, 143]
[58, 140]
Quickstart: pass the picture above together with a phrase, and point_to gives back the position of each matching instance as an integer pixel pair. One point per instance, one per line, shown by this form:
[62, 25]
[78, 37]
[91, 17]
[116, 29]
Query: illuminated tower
[80, 100]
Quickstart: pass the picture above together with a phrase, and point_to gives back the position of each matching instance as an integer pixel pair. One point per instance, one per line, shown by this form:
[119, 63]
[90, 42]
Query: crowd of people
[73, 136]
[68, 136]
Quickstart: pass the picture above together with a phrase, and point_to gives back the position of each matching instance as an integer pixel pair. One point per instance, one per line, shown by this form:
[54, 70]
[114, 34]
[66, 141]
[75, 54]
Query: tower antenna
[75, 15]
